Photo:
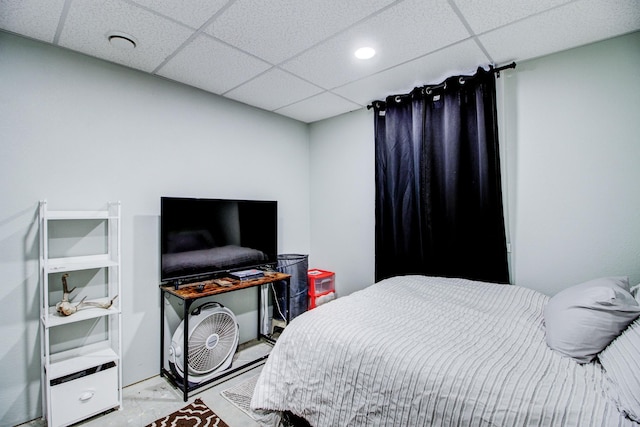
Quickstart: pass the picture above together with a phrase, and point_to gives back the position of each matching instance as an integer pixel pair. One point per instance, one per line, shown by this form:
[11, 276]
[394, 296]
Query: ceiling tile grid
[318, 107]
[193, 13]
[462, 58]
[89, 23]
[295, 57]
[30, 19]
[211, 65]
[275, 30]
[574, 24]
[273, 89]
[488, 15]
[400, 34]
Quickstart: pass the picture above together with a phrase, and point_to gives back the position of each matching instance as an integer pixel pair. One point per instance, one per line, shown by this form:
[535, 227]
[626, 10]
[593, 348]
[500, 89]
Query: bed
[425, 351]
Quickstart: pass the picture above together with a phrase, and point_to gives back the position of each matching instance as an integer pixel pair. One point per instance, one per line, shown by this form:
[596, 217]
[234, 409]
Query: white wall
[571, 129]
[573, 142]
[80, 132]
[343, 199]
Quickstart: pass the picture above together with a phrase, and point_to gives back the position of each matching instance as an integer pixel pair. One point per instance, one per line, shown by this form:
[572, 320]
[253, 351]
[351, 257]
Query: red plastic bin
[321, 282]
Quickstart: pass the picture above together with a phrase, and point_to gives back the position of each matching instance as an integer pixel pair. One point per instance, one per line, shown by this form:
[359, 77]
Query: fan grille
[211, 342]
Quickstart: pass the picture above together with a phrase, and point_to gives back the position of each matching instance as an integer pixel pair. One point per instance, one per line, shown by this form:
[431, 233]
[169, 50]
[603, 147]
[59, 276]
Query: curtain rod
[429, 88]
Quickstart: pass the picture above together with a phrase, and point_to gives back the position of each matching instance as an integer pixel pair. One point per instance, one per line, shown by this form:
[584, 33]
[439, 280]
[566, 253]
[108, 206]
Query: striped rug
[196, 414]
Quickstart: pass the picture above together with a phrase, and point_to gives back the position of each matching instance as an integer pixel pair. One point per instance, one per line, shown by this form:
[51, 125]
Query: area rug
[240, 395]
[196, 414]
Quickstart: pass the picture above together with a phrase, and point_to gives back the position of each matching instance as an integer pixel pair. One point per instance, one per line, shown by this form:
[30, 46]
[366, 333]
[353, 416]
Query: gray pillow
[582, 320]
[621, 362]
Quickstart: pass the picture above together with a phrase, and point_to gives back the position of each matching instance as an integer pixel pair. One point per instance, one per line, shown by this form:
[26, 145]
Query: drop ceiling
[295, 57]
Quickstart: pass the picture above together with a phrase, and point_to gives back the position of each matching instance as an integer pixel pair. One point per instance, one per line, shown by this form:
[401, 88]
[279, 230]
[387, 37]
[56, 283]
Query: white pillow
[583, 319]
[621, 362]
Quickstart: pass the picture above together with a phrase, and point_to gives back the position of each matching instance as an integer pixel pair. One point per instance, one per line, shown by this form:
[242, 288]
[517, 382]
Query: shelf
[94, 245]
[78, 359]
[75, 215]
[209, 287]
[55, 319]
[57, 265]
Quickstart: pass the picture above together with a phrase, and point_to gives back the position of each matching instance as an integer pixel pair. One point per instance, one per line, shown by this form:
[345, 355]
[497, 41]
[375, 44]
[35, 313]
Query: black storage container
[297, 266]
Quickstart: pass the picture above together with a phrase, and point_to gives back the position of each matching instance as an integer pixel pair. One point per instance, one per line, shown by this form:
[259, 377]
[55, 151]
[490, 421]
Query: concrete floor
[148, 400]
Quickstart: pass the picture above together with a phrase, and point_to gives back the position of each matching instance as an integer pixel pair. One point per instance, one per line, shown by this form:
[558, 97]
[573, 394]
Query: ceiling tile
[318, 107]
[273, 89]
[487, 15]
[575, 24]
[213, 66]
[286, 55]
[193, 13]
[89, 23]
[463, 58]
[406, 32]
[29, 18]
[277, 29]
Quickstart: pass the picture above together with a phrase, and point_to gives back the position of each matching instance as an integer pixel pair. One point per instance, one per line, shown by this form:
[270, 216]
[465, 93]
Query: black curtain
[438, 191]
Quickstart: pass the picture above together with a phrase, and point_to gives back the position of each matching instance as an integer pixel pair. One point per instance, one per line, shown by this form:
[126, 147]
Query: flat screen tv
[205, 238]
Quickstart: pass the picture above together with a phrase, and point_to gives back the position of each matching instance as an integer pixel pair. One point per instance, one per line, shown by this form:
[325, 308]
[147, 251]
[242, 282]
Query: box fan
[212, 338]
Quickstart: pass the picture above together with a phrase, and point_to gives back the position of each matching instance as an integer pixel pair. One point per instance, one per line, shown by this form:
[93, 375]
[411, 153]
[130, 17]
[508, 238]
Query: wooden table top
[221, 285]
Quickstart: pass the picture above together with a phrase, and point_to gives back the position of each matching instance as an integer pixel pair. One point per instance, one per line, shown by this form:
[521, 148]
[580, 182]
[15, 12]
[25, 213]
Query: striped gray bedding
[424, 351]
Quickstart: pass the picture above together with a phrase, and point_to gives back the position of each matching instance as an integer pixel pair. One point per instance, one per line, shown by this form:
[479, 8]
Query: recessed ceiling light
[365, 53]
[122, 41]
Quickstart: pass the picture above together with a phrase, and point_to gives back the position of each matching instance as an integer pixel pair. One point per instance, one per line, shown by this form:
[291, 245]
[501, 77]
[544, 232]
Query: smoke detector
[122, 41]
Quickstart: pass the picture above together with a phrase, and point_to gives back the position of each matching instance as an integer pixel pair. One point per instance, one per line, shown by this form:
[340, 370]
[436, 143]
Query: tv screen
[205, 238]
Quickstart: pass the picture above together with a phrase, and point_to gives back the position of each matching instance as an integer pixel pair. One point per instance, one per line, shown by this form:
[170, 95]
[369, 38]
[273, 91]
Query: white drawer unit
[83, 394]
[81, 345]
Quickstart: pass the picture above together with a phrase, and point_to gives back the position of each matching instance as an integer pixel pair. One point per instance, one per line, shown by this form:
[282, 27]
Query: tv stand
[190, 293]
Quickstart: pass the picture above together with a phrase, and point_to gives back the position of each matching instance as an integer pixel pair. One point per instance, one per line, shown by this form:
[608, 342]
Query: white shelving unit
[81, 353]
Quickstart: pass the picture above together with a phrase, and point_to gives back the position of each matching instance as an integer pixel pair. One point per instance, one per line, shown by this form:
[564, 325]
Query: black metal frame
[227, 373]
